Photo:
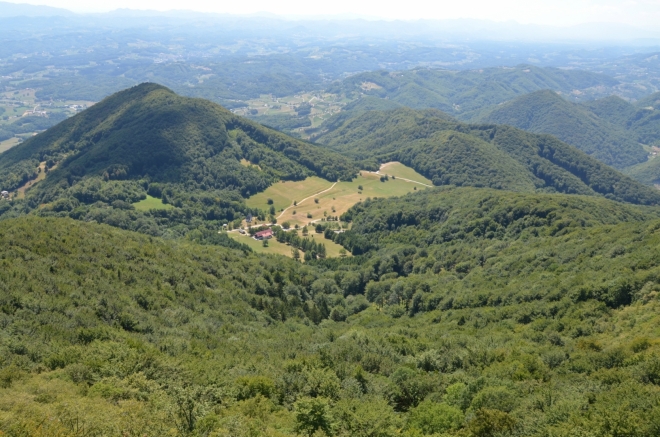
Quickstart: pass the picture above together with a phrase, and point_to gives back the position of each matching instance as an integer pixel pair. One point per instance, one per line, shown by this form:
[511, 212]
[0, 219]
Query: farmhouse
[264, 235]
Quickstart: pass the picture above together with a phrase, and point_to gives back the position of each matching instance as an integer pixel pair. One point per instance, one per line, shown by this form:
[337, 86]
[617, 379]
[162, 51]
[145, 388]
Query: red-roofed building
[265, 234]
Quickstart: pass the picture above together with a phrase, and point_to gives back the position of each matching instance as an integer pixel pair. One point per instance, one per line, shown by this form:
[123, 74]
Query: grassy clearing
[246, 163]
[40, 177]
[276, 248]
[8, 144]
[284, 193]
[151, 203]
[346, 194]
[401, 171]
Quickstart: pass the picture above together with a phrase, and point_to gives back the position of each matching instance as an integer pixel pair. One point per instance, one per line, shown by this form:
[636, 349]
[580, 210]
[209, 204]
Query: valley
[215, 225]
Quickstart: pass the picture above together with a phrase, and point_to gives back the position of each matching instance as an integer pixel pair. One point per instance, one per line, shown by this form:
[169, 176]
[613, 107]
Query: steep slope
[640, 121]
[148, 131]
[466, 94]
[613, 109]
[525, 161]
[192, 154]
[546, 112]
[480, 313]
[652, 101]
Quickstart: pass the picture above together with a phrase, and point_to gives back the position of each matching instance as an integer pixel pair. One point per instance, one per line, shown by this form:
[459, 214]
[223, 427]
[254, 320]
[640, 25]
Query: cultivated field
[8, 144]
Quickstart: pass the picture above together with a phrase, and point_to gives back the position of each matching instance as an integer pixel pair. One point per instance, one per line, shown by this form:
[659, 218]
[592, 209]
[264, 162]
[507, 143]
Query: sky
[640, 13]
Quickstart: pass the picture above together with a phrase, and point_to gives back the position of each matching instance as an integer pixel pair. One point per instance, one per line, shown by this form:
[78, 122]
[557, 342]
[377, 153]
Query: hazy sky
[554, 12]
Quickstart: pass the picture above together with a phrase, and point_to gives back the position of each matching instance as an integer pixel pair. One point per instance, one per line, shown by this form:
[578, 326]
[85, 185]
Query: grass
[276, 248]
[246, 163]
[40, 177]
[401, 171]
[284, 193]
[8, 144]
[346, 194]
[151, 203]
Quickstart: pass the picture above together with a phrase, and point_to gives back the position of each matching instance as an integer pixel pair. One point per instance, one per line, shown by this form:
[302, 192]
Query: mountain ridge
[551, 164]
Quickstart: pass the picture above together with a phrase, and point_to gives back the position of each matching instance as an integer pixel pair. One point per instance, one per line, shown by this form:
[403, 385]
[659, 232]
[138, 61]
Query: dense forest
[547, 112]
[470, 312]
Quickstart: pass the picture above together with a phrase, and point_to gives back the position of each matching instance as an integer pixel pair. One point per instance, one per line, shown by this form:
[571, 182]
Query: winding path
[309, 197]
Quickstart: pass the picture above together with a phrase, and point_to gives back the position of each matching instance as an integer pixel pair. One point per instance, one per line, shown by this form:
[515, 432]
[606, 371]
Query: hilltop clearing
[316, 200]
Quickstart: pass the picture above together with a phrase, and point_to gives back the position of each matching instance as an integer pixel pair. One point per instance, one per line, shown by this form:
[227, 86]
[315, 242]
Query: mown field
[402, 171]
[8, 144]
[277, 248]
[151, 203]
[285, 193]
[346, 194]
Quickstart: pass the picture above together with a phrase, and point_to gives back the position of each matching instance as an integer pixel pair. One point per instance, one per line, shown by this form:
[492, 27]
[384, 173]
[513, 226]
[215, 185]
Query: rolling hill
[465, 94]
[652, 101]
[453, 153]
[593, 133]
[190, 153]
[641, 121]
[473, 312]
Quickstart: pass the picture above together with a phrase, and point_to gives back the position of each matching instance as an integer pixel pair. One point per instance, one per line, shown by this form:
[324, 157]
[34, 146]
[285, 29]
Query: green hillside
[452, 153]
[147, 140]
[652, 101]
[465, 94]
[546, 112]
[473, 313]
[640, 121]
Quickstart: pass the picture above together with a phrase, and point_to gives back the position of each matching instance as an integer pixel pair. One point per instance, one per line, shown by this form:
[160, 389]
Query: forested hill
[466, 94]
[473, 313]
[652, 101]
[149, 132]
[453, 153]
[196, 160]
[546, 112]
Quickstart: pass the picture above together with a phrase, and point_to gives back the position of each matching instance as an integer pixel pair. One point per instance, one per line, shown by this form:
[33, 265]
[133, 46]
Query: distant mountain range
[27, 10]
[467, 94]
[463, 29]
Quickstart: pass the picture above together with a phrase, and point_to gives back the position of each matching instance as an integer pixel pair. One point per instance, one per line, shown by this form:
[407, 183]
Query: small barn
[266, 234]
[4, 194]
